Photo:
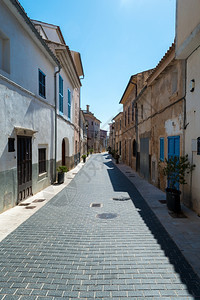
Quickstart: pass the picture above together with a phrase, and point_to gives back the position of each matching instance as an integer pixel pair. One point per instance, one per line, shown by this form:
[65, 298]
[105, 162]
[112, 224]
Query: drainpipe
[55, 99]
[184, 129]
[136, 133]
[136, 125]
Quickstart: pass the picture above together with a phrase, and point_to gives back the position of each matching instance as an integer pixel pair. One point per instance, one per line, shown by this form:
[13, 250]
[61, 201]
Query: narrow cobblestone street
[73, 249]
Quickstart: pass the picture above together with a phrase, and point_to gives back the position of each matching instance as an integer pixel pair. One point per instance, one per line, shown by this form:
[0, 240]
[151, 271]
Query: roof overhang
[78, 63]
[129, 88]
[189, 45]
[64, 55]
[118, 116]
[162, 65]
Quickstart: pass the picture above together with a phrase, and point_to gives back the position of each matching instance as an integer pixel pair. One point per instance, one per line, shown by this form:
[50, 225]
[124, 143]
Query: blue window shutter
[162, 149]
[60, 94]
[69, 104]
[42, 84]
[173, 146]
[177, 146]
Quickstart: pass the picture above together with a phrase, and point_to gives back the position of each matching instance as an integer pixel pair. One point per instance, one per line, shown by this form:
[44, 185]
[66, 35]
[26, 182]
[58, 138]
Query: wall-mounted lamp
[192, 85]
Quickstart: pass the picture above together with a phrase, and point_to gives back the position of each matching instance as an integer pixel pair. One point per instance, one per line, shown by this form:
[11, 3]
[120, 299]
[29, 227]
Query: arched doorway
[63, 152]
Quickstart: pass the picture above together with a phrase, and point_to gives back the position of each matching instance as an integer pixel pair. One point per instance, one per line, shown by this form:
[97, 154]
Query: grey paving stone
[45, 298]
[135, 294]
[55, 293]
[27, 298]
[8, 291]
[65, 251]
[23, 292]
[11, 297]
[38, 292]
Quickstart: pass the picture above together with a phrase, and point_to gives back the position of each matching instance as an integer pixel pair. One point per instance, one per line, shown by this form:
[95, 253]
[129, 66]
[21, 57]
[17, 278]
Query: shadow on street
[121, 183]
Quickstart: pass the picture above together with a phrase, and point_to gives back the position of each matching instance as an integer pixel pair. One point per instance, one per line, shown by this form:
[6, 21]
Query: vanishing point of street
[97, 239]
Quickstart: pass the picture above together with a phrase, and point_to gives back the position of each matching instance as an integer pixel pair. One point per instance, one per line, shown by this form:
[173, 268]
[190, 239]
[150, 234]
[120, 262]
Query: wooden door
[24, 167]
[144, 158]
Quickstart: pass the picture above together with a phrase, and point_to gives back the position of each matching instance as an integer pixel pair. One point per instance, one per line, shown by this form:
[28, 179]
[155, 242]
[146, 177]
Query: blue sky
[116, 39]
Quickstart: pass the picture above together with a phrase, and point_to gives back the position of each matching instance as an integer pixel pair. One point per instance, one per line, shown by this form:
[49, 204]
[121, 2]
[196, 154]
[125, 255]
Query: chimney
[88, 108]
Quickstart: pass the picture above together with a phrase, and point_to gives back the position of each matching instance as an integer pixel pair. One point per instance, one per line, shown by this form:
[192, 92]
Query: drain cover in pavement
[30, 207]
[39, 200]
[121, 198]
[106, 216]
[95, 205]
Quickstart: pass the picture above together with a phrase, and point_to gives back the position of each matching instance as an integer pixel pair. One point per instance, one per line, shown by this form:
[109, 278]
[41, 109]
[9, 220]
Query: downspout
[79, 126]
[55, 99]
[136, 133]
[136, 124]
[184, 129]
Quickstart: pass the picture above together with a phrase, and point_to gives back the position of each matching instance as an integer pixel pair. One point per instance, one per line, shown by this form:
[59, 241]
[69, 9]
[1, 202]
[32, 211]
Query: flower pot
[173, 200]
[84, 159]
[61, 176]
[117, 159]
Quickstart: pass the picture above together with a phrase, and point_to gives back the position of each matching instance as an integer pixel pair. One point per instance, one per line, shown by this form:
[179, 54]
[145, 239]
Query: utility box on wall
[198, 146]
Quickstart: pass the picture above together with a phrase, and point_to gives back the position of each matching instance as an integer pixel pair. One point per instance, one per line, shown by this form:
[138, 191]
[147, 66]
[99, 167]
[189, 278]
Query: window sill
[43, 97]
[42, 176]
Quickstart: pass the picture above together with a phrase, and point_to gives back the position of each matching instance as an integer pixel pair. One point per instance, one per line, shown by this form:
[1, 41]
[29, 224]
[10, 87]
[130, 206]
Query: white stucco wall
[25, 57]
[193, 121]
[20, 109]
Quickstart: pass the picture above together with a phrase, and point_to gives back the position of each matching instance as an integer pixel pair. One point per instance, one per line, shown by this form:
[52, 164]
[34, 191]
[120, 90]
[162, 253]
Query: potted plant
[84, 157]
[61, 173]
[175, 168]
[91, 151]
[116, 157]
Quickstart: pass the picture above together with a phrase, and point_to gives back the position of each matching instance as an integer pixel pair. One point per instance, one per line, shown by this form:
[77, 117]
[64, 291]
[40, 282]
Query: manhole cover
[39, 200]
[30, 207]
[24, 204]
[106, 216]
[162, 201]
[95, 205]
[121, 198]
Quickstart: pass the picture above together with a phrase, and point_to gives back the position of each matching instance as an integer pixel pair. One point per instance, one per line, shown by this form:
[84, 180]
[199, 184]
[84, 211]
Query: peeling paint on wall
[174, 126]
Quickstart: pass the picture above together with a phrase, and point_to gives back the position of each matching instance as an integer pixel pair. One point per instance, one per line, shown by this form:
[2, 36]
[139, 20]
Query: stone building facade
[93, 131]
[130, 137]
[118, 123]
[153, 118]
